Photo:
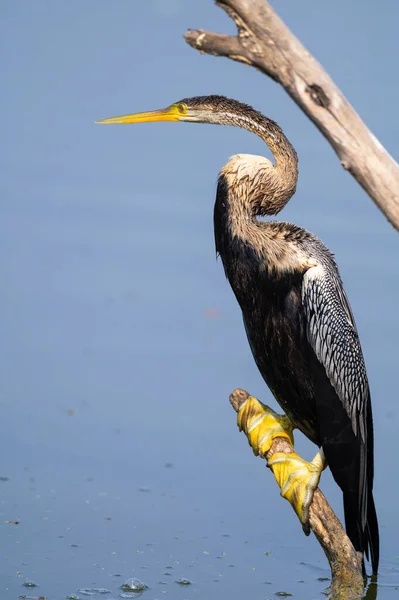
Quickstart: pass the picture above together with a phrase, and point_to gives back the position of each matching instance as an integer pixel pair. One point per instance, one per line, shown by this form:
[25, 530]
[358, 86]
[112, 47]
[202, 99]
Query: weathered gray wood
[265, 42]
[346, 565]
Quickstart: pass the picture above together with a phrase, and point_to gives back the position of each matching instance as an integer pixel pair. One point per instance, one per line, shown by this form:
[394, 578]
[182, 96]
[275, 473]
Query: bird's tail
[364, 539]
[372, 534]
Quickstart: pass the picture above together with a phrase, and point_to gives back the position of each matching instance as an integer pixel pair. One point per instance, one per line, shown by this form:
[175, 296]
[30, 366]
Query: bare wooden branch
[265, 42]
[345, 563]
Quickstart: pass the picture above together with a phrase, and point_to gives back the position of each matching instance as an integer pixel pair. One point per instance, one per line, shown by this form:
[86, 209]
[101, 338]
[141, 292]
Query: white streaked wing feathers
[332, 333]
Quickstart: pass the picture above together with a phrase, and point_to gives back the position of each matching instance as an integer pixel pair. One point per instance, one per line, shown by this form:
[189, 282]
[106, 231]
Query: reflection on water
[372, 590]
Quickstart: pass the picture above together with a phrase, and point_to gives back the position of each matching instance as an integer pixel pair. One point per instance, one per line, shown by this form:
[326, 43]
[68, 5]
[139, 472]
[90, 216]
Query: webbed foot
[298, 480]
[261, 425]
[296, 477]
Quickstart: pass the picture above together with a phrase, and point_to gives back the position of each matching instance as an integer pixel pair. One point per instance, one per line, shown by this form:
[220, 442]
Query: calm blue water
[121, 339]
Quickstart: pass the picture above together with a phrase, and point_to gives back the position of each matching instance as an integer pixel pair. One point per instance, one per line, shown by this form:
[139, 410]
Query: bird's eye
[181, 108]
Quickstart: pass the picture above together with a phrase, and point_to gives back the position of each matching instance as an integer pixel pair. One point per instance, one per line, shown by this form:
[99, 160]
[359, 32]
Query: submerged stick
[345, 563]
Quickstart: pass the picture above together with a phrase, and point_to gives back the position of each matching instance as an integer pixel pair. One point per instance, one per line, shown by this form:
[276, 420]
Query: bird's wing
[331, 331]
[345, 418]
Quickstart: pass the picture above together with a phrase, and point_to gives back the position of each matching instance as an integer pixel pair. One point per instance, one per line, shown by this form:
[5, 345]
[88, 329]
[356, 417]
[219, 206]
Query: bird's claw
[296, 477]
[298, 480]
[261, 425]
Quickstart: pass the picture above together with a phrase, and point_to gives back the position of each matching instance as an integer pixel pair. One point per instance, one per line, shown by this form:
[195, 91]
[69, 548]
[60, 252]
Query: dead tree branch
[265, 42]
[345, 563]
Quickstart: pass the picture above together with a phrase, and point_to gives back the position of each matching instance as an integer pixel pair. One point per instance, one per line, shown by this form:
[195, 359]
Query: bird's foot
[298, 480]
[296, 477]
[261, 425]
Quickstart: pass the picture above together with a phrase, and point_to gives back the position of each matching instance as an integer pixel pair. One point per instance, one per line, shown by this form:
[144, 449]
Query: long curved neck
[249, 186]
[259, 187]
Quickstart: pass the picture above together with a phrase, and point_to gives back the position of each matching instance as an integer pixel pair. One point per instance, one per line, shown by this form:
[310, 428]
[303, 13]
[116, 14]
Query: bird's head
[199, 109]
[277, 186]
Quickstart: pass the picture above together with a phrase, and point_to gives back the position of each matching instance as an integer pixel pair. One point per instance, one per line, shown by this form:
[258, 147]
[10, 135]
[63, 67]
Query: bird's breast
[276, 329]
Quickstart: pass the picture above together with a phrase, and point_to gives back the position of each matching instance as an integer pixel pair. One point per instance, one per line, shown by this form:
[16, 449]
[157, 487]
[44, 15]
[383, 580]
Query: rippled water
[121, 339]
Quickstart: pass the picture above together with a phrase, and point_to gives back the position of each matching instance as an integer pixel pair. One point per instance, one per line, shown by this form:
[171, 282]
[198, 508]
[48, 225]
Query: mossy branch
[345, 563]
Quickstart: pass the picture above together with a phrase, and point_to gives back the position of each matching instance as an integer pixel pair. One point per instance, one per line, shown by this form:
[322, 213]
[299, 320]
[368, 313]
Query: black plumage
[304, 341]
[298, 321]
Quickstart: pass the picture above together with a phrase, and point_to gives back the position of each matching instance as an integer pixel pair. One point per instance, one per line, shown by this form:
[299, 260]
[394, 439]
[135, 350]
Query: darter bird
[297, 317]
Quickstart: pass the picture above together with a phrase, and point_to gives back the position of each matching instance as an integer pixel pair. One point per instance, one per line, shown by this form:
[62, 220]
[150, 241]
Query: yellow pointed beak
[172, 113]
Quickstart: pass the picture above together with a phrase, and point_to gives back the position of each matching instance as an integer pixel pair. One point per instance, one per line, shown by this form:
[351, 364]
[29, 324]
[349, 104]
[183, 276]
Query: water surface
[121, 339]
